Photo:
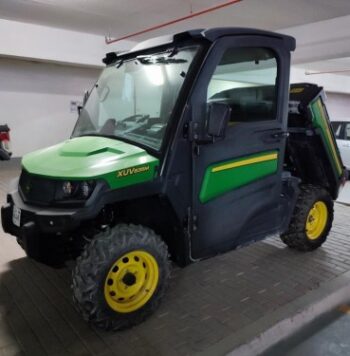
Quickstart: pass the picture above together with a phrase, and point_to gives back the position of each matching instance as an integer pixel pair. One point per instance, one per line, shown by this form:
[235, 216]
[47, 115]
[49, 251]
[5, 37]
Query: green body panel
[320, 120]
[120, 164]
[223, 177]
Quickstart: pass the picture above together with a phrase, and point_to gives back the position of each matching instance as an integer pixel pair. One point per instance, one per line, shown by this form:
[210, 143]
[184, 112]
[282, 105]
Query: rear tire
[121, 277]
[312, 219]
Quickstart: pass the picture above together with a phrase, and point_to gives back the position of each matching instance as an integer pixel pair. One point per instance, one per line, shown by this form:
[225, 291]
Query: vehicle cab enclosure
[192, 135]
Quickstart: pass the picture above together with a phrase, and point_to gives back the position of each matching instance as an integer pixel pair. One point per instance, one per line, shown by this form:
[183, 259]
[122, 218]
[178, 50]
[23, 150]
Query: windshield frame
[202, 46]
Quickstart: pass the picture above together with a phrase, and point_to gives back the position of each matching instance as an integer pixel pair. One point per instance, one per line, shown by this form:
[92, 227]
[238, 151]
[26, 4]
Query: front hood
[89, 157]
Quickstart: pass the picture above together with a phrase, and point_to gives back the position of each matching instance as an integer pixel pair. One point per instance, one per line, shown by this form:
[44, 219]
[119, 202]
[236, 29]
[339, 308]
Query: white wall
[334, 83]
[321, 40]
[24, 40]
[338, 106]
[35, 101]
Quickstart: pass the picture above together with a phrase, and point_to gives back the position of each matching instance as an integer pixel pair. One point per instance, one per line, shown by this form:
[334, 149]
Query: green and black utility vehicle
[186, 147]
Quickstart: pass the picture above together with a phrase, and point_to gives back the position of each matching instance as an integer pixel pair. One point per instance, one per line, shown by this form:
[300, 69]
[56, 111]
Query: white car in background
[341, 128]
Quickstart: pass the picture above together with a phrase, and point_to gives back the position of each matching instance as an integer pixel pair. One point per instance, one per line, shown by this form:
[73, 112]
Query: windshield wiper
[117, 137]
[113, 137]
[102, 135]
[95, 135]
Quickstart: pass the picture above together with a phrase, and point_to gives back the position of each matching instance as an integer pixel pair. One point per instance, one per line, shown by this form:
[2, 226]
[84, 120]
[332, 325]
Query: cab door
[238, 179]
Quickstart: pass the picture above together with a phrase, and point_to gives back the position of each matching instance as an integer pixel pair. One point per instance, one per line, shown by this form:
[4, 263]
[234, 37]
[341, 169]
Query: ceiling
[120, 17]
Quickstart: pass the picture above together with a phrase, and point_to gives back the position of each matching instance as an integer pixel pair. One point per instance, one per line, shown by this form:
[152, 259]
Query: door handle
[280, 134]
[273, 136]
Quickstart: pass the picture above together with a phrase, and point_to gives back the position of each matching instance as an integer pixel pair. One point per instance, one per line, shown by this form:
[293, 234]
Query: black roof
[211, 35]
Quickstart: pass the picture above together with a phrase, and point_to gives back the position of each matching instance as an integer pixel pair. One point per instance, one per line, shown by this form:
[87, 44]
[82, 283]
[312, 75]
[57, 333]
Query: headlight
[67, 188]
[85, 189]
[74, 190]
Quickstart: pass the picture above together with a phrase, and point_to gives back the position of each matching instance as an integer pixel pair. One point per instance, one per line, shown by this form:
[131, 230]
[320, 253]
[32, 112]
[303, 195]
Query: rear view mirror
[218, 116]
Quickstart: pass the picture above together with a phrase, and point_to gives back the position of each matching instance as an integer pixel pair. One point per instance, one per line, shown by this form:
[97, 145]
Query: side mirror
[219, 115]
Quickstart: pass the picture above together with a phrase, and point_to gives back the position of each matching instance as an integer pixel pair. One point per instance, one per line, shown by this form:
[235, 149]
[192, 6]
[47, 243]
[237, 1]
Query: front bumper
[46, 220]
[44, 233]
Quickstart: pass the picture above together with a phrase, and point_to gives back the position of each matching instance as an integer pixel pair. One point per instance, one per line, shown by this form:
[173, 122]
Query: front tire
[312, 219]
[121, 277]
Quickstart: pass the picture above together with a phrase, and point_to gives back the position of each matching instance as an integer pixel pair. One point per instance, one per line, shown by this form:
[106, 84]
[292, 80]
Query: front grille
[36, 190]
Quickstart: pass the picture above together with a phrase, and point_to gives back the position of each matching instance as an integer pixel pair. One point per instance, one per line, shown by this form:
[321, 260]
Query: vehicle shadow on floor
[206, 302]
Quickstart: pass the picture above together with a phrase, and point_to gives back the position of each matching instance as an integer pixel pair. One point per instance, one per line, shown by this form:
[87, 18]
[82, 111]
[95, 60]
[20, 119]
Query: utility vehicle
[186, 147]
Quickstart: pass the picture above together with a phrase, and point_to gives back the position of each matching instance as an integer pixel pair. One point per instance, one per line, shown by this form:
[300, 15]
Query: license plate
[16, 216]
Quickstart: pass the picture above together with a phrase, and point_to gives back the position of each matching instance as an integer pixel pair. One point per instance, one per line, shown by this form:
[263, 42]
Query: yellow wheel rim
[316, 220]
[131, 281]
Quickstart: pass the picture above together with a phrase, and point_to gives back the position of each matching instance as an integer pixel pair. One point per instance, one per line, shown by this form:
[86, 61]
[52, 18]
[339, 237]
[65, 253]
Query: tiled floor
[206, 301]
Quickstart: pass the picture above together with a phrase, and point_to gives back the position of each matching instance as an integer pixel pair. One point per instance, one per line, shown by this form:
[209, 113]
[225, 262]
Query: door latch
[280, 134]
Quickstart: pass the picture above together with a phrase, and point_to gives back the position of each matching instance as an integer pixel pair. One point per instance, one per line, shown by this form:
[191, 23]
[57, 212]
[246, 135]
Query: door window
[246, 80]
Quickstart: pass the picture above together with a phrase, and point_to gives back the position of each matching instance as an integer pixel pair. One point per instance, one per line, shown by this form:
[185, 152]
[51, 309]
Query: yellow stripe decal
[245, 162]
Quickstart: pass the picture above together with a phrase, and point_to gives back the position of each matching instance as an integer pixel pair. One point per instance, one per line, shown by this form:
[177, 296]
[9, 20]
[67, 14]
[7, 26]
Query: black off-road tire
[295, 236]
[92, 267]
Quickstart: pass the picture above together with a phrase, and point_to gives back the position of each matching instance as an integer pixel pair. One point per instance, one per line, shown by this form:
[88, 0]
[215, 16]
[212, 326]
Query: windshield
[133, 99]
